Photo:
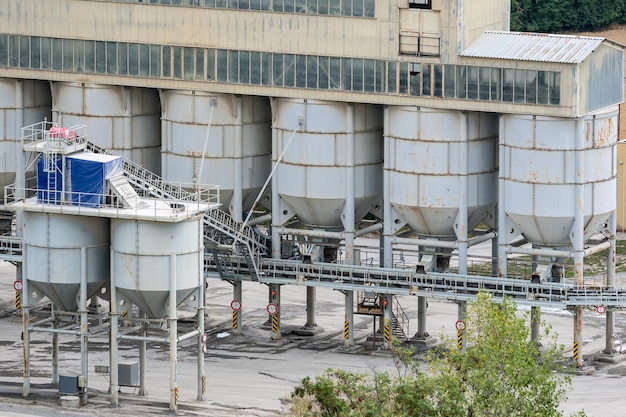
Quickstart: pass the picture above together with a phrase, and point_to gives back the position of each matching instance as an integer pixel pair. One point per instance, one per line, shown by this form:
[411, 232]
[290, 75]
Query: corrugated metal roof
[539, 47]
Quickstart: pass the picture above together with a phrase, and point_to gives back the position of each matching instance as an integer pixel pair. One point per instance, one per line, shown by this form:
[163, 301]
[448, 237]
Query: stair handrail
[401, 317]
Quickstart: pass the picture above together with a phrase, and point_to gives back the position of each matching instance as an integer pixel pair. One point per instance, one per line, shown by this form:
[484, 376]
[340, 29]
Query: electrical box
[68, 385]
[128, 374]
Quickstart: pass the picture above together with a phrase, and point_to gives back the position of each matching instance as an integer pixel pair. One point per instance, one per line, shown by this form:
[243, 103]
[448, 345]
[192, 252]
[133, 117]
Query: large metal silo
[151, 257]
[440, 162]
[124, 120]
[547, 160]
[22, 103]
[233, 133]
[335, 156]
[59, 249]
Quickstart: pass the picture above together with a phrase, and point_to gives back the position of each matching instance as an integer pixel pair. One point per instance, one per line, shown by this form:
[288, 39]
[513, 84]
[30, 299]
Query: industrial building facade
[428, 115]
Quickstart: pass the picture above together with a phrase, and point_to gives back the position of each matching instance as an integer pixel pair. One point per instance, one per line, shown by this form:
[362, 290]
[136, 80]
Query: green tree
[500, 373]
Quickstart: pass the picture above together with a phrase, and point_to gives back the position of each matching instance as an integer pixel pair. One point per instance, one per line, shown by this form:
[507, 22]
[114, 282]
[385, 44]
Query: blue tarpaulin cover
[87, 175]
[49, 184]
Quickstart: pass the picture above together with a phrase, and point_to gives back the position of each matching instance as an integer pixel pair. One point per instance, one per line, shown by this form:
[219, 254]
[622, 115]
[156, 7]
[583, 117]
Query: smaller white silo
[56, 247]
[148, 255]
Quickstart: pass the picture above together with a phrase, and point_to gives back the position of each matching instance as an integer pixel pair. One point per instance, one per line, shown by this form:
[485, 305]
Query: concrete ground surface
[250, 375]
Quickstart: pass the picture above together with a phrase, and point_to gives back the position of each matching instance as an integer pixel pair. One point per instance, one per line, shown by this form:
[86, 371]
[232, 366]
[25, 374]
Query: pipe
[52, 330]
[144, 338]
[84, 338]
[502, 223]
[369, 229]
[173, 335]
[113, 343]
[560, 253]
[387, 255]
[261, 219]
[189, 335]
[236, 202]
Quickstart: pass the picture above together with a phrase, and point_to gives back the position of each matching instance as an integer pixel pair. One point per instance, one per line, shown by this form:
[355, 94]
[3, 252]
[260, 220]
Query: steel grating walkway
[223, 233]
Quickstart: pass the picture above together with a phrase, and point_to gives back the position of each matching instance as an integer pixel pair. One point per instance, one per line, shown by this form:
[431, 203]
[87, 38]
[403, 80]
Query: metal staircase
[221, 230]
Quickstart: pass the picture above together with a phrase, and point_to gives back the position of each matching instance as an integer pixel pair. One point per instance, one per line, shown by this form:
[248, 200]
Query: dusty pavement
[251, 375]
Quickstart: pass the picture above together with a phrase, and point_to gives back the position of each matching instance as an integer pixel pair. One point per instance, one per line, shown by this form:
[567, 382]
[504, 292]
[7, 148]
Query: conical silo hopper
[150, 256]
[236, 154]
[124, 120]
[54, 259]
[541, 176]
[312, 177]
[426, 153]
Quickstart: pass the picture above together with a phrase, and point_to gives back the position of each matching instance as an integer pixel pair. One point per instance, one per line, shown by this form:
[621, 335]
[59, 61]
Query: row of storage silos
[429, 164]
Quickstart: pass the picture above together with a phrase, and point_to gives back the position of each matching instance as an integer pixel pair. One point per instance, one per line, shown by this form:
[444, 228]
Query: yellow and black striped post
[387, 331]
[459, 339]
[275, 323]
[204, 384]
[18, 301]
[125, 314]
[575, 353]
[346, 329]
[235, 320]
[176, 396]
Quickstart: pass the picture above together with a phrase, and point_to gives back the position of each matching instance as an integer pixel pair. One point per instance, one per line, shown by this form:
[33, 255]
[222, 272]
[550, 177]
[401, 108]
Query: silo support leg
[578, 337]
[275, 296]
[237, 316]
[348, 326]
[422, 305]
[310, 307]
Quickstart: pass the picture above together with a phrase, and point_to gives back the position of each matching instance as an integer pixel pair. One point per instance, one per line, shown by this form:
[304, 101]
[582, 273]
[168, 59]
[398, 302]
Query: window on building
[420, 4]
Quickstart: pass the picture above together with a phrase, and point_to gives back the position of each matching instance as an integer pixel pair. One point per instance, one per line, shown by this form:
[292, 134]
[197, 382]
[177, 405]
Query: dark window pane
[322, 7]
[404, 78]
[57, 54]
[484, 79]
[79, 56]
[90, 56]
[101, 57]
[199, 64]
[519, 85]
[472, 83]
[144, 60]
[277, 69]
[167, 61]
[461, 81]
[289, 70]
[222, 65]
[508, 76]
[289, 6]
[278, 5]
[427, 80]
[14, 51]
[369, 8]
[133, 59]
[155, 61]
[380, 76]
[255, 68]
[335, 73]
[311, 72]
[495, 84]
[391, 77]
[324, 72]
[415, 79]
[300, 71]
[68, 55]
[357, 74]
[555, 88]
[233, 66]
[111, 57]
[255, 4]
[438, 80]
[357, 8]
[244, 67]
[35, 52]
[368, 75]
[4, 50]
[266, 68]
[449, 83]
[531, 86]
[346, 7]
[178, 62]
[266, 4]
[542, 87]
[122, 59]
[346, 72]
[24, 52]
[189, 63]
[210, 64]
